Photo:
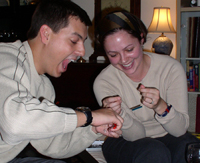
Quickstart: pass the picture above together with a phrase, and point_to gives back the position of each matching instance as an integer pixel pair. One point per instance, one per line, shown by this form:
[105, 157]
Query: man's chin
[56, 75]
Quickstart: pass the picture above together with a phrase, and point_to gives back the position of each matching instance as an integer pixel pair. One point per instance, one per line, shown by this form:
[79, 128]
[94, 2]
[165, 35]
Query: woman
[148, 90]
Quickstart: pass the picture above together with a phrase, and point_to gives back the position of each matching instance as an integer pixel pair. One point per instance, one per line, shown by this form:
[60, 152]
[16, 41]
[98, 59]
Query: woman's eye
[129, 50]
[73, 42]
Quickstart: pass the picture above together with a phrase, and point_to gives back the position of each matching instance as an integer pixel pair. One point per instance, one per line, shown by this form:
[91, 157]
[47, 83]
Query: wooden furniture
[15, 21]
[75, 87]
[184, 11]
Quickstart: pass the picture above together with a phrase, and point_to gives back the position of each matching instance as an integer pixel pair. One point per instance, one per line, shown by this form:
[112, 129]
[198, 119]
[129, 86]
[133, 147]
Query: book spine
[191, 78]
[196, 69]
[196, 43]
[188, 74]
[189, 36]
[192, 36]
[194, 78]
[199, 77]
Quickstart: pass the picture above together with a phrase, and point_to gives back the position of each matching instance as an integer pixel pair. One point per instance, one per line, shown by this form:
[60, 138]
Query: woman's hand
[113, 102]
[151, 98]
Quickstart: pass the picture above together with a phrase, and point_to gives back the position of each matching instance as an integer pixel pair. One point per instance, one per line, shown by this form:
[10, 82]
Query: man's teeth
[128, 64]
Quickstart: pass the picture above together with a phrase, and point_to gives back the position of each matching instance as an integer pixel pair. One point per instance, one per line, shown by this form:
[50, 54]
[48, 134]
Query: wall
[146, 16]
[87, 5]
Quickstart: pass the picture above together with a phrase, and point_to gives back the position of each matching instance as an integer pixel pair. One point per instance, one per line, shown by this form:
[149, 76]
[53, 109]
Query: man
[28, 115]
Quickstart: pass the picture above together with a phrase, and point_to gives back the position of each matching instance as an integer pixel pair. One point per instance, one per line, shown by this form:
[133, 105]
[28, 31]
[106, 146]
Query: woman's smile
[124, 51]
[128, 66]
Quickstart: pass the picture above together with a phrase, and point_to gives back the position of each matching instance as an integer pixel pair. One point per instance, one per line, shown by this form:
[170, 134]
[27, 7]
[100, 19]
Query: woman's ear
[45, 33]
[142, 39]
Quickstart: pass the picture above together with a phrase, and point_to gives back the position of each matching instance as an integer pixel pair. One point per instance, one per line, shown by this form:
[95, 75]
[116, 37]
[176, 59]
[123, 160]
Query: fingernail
[114, 126]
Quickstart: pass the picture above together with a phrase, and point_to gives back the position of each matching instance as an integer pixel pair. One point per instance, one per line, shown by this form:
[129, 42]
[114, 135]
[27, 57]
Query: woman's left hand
[151, 98]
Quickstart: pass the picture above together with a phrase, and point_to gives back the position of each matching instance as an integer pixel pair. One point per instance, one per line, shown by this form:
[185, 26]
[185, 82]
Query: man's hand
[107, 131]
[106, 116]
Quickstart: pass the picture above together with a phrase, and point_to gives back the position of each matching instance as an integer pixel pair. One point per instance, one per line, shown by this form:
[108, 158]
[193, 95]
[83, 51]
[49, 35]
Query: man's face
[63, 47]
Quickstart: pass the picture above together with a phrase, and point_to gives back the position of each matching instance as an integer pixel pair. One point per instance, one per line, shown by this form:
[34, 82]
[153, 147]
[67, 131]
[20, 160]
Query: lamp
[161, 22]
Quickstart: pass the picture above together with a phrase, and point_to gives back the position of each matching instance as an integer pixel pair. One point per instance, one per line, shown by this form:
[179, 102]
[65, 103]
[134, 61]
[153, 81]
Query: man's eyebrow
[75, 33]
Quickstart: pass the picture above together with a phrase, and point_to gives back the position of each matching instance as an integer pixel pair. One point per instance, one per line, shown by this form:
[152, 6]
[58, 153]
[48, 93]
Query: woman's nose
[123, 58]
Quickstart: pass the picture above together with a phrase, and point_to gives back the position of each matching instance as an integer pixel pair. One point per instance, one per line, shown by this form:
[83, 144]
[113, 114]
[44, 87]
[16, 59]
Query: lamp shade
[161, 21]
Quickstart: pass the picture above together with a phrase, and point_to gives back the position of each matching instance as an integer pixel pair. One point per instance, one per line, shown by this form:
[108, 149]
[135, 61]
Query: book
[192, 36]
[197, 39]
[189, 36]
[199, 77]
[188, 74]
[191, 78]
[196, 80]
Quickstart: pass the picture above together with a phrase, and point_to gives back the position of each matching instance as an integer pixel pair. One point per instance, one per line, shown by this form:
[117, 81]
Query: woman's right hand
[113, 102]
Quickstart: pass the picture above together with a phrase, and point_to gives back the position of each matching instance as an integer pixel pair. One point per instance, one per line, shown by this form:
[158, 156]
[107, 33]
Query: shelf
[190, 59]
[186, 9]
[193, 92]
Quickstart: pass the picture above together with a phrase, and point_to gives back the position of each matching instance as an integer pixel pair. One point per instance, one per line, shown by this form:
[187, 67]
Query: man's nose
[81, 50]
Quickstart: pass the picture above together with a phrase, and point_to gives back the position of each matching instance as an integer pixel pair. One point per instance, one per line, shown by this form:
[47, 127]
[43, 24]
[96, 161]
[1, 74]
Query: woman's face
[124, 51]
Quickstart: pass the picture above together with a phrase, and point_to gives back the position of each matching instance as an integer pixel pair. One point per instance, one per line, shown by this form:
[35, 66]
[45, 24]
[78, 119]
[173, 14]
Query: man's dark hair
[55, 14]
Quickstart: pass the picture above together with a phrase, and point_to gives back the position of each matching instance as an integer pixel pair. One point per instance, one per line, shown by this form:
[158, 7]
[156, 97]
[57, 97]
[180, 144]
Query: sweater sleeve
[177, 121]
[66, 145]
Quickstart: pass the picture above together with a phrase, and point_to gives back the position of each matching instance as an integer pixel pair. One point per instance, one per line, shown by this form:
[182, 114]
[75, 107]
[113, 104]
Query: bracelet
[166, 111]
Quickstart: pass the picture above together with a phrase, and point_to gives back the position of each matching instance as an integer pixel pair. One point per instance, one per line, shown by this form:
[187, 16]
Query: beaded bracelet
[166, 111]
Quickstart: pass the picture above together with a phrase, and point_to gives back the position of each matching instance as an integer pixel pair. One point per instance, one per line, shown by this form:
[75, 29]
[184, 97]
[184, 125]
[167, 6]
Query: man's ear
[45, 31]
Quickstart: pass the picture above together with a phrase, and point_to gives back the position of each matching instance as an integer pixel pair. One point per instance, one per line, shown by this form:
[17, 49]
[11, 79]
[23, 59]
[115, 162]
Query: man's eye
[112, 55]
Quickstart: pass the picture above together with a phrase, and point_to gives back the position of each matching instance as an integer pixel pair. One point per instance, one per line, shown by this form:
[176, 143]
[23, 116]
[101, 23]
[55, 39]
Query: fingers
[150, 96]
[114, 134]
[106, 116]
[107, 131]
[118, 124]
[140, 86]
[113, 102]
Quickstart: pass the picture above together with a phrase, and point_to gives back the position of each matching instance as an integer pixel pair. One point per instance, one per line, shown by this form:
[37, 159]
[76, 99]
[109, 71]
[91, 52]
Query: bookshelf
[184, 11]
[183, 15]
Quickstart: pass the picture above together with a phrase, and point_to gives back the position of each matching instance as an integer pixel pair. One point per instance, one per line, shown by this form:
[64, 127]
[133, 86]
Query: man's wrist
[88, 114]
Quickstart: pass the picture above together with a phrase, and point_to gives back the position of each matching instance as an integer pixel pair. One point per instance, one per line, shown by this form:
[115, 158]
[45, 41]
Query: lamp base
[163, 45]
